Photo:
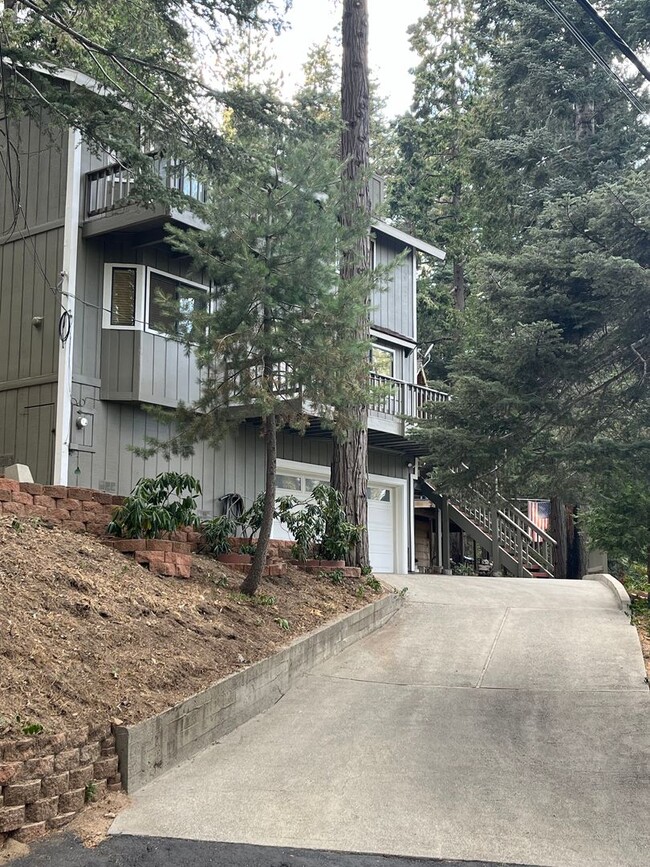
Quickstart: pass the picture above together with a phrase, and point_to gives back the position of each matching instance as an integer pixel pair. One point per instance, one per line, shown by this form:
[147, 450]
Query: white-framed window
[123, 296]
[382, 360]
[163, 288]
[134, 299]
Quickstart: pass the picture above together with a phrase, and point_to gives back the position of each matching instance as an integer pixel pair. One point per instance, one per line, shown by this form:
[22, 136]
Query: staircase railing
[529, 544]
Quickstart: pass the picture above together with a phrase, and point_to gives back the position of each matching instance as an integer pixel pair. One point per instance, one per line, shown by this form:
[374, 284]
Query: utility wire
[614, 37]
[598, 58]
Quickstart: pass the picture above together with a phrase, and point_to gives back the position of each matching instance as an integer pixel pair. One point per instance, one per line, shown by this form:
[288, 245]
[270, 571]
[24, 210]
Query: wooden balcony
[108, 205]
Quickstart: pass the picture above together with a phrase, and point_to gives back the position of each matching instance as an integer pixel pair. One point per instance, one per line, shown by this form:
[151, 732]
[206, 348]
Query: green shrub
[149, 509]
[217, 533]
[318, 526]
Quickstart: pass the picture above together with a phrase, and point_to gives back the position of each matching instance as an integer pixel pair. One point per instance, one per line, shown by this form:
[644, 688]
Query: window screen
[123, 286]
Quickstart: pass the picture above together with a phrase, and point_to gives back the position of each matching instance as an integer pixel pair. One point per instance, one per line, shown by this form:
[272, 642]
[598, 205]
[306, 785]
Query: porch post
[444, 524]
[496, 560]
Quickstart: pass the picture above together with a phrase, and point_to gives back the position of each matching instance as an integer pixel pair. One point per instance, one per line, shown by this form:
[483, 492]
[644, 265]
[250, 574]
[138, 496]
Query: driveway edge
[156, 745]
[615, 586]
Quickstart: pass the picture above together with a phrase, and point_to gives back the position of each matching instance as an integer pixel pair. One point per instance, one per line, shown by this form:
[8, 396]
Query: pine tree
[555, 345]
[274, 331]
[141, 54]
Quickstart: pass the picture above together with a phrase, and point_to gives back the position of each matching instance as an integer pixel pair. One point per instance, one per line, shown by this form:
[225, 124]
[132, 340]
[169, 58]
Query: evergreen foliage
[550, 364]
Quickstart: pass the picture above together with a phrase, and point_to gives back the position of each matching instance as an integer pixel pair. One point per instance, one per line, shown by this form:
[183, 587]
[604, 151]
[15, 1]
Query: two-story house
[82, 353]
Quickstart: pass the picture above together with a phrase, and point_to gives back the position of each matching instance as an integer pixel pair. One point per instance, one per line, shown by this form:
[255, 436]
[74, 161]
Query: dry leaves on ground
[86, 634]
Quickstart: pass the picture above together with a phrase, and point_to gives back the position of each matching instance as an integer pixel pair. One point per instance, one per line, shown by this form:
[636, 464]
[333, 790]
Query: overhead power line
[598, 58]
[614, 37]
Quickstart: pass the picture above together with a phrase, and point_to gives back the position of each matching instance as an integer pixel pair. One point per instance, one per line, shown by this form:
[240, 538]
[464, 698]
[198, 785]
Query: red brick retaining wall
[84, 510]
[46, 780]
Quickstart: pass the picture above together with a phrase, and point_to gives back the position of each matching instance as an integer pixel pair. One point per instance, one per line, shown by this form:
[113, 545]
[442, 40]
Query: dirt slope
[86, 633]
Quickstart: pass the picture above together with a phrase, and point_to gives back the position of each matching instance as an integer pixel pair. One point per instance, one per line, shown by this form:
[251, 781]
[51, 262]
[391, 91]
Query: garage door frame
[398, 488]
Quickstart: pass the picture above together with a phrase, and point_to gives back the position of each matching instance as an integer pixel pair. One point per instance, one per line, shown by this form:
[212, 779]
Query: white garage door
[381, 515]
[381, 528]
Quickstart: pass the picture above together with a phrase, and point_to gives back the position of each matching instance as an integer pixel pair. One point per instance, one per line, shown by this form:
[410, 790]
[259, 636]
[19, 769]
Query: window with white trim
[171, 302]
[137, 297]
[382, 360]
[123, 296]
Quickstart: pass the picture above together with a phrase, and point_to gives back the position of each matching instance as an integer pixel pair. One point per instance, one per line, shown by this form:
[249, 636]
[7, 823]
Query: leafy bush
[339, 534]
[319, 526]
[217, 533]
[149, 509]
[251, 519]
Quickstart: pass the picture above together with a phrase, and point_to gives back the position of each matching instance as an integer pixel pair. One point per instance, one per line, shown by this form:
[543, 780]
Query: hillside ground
[86, 633]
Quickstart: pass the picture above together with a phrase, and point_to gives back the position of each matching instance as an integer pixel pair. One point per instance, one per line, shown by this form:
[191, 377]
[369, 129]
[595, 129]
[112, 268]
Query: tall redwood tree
[350, 452]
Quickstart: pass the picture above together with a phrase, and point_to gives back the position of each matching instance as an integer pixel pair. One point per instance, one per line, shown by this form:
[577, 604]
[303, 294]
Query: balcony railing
[399, 398]
[110, 187]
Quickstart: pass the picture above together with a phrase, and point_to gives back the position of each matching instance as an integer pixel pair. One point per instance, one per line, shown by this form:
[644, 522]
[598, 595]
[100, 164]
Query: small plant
[247, 549]
[282, 622]
[28, 728]
[318, 527]
[337, 576]
[360, 592]
[90, 791]
[374, 584]
[366, 570]
[402, 593]
[305, 525]
[217, 533]
[263, 599]
[149, 509]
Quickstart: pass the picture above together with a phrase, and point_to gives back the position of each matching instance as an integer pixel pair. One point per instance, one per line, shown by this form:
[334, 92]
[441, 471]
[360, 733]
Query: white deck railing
[395, 397]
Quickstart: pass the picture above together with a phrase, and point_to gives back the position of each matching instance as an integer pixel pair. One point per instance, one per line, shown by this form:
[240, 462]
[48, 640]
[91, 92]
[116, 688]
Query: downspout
[68, 297]
[412, 476]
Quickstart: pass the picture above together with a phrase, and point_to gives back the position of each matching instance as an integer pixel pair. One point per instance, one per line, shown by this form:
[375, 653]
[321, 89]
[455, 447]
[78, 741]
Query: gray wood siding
[27, 418]
[93, 254]
[31, 249]
[393, 306]
[103, 450]
[146, 368]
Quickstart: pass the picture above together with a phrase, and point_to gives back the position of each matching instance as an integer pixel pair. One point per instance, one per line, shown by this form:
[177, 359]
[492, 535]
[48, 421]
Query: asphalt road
[126, 851]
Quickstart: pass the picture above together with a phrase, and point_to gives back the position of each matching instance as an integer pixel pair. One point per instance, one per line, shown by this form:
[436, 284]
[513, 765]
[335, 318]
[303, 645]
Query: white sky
[390, 56]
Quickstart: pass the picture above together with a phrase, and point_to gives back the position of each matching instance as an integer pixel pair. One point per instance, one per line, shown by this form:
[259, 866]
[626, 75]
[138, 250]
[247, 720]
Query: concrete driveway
[492, 719]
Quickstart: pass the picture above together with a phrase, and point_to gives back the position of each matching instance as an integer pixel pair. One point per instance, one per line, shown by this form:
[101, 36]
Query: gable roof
[409, 240]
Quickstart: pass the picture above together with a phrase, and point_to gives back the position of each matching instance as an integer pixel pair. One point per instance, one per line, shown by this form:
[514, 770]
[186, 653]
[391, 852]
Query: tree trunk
[350, 478]
[557, 529]
[459, 265]
[350, 452]
[252, 580]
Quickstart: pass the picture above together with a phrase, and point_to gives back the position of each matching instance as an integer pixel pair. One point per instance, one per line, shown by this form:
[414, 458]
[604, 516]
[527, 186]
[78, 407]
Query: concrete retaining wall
[152, 747]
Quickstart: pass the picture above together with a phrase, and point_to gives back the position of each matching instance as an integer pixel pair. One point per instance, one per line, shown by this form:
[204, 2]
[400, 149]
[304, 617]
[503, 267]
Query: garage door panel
[382, 502]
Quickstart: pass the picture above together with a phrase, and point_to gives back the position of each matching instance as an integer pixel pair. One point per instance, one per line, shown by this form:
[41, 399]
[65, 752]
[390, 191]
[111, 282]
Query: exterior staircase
[515, 542]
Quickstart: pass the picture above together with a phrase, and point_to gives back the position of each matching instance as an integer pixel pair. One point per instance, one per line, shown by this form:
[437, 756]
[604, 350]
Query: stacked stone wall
[47, 779]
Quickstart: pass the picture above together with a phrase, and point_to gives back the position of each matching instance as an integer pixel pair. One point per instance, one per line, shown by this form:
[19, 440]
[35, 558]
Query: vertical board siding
[27, 417]
[236, 466]
[32, 209]
[393, 305]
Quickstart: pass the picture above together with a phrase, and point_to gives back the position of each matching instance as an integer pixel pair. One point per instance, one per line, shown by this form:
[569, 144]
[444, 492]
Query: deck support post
[446, 549]
[496, 560]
